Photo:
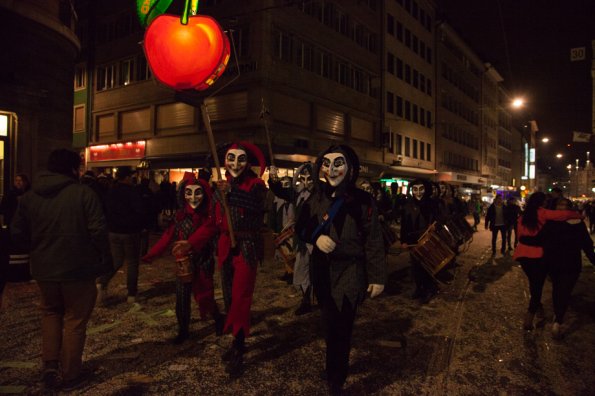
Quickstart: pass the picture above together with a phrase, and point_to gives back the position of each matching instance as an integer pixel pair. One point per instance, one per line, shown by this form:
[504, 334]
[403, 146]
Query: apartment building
[409, 88]
[314, 65]
[39, 48]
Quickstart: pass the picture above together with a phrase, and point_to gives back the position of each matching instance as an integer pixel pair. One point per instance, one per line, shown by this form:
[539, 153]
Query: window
[399, 68]
[414, 148]
[323, 64]
[429, 119]
[390, 63]
[415, 113]
[143, 71]
[407, 38]
[422, 151]
[305, 57]
[422, 48]
[415, 44]
[422, 82]
[408, 110]
[422, 116]
[408, 74]
[399, 31]
[407, 148]
[415, 78]
[105, 77]
[429, 87]
[343, 73]
[390, 98]
[399, 147]
[282, 49]
[241, 40]
[429, 151]
[80, 77]
[400, 106]
[390, 24]
[126, 72]
[79, 118]
[429, 55]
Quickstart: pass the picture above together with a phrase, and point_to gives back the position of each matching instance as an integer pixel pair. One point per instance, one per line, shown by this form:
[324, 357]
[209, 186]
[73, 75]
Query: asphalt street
[467, 341]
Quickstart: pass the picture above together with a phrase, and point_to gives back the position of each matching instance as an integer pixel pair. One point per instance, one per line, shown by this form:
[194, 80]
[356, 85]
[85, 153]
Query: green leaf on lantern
[148, 10]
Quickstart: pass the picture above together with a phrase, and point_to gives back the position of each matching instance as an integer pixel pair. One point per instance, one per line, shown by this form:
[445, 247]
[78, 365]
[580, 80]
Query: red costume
[197, 227]
[245, 193]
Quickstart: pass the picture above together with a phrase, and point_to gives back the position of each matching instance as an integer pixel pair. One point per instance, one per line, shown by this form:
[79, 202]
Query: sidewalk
[467, 341]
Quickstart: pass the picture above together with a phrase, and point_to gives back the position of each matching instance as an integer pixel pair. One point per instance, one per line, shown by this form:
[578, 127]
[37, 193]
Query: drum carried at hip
[432, 252]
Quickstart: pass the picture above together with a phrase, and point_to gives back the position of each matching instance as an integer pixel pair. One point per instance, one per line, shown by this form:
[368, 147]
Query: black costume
[418, 215]
[340, 277]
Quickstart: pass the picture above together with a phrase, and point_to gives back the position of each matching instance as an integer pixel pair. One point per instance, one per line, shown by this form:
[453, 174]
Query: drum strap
[327, 218]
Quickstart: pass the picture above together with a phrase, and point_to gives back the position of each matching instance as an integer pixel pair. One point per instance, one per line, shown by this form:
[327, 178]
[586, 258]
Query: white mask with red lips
[334, 168]
[418, 191]
[236, 161]
[194, 195]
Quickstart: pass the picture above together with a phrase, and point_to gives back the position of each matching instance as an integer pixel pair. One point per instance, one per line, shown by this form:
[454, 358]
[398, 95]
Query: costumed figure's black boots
[219, 322]
[235, 355]
[306, 305]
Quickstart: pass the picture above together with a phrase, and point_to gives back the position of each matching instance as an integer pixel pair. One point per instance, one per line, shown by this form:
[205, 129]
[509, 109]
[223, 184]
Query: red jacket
[543, 215]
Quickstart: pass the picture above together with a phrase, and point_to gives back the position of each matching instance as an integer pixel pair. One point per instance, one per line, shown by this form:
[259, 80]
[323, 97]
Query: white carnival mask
[418, 191]
[194, 194]
[236, 161]
[334, 168]
[367, 187]
[304, 182]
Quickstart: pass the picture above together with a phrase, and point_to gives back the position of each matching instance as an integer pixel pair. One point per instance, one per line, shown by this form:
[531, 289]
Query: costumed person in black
[281, 221]
[341, 221]
[299, 191]
[418, 215]
[562, 242]
[192, 233]
[245, 194]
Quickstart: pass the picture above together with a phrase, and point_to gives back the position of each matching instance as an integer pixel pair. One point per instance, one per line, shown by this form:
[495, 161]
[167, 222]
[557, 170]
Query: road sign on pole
[578, 54]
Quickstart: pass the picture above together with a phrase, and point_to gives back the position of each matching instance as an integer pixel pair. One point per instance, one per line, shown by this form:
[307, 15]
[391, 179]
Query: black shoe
[219, 324]
[180, 338]
[335, 389]
[304, 308]
[76, 383]
[235, 365]
[51, 379]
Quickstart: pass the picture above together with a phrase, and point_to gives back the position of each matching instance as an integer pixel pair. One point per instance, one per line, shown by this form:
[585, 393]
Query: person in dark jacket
[562, 243]
[9, 203]
[63, 224]
[348, 255]
[419, 214]
[496, 221]
[125, 221]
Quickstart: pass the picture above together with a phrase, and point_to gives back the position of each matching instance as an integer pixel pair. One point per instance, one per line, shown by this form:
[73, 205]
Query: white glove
[325, 244]
[375, 289]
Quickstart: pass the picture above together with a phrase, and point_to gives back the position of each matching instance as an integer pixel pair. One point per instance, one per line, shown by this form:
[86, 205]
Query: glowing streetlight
[559, 155]
[518, 103]
[545, 139]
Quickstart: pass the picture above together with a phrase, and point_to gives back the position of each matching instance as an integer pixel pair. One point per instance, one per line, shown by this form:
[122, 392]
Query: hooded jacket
[63, 225]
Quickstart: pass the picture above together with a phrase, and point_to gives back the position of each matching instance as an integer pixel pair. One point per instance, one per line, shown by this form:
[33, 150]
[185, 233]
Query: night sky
[529, 43]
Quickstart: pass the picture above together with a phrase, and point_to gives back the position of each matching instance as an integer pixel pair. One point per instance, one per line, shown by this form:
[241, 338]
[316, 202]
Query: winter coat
[543, 215]
[63, 224]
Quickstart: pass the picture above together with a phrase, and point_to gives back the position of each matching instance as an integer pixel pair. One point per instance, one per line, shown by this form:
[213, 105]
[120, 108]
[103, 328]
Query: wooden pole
[207, 121]
[264, 114]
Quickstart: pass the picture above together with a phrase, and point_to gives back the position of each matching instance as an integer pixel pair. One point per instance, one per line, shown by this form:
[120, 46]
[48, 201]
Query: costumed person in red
[245, 194]
[192, 232]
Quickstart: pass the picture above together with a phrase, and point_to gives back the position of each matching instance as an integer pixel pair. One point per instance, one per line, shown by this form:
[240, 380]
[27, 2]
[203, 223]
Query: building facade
[39, 47]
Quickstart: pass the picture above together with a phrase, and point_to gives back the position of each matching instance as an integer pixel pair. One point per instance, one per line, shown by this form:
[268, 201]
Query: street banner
[581, 137]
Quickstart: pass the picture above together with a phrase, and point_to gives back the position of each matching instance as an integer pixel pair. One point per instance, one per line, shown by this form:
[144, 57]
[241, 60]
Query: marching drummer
[418, 215]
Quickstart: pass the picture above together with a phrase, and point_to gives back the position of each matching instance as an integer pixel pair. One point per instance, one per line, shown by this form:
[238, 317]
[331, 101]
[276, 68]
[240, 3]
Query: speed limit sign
[577, 54]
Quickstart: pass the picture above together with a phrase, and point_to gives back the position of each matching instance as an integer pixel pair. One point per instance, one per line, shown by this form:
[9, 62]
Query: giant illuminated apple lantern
[187, 52]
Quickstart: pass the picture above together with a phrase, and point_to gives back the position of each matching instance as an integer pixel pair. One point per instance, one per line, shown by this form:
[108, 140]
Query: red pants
[239, 278]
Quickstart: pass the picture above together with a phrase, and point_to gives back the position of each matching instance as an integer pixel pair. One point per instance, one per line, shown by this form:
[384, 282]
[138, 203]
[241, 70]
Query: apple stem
[190, 7]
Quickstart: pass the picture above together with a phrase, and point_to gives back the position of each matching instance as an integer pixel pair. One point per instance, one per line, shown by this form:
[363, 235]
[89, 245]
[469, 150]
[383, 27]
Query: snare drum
[432, 252]
[446, 236]
[464, 227]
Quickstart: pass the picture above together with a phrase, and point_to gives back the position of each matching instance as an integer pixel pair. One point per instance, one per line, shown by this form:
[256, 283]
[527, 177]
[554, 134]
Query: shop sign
[117, 151]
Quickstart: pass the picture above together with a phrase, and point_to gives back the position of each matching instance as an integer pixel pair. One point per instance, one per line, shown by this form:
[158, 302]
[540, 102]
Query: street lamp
[545, 139]
[518, 103]
[559, 155]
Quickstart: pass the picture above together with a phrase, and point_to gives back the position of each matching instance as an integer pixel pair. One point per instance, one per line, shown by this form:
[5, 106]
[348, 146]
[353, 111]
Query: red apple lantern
[186, 56]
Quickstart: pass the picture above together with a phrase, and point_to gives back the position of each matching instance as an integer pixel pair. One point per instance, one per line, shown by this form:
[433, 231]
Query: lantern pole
[264, 113]
[207, 121]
